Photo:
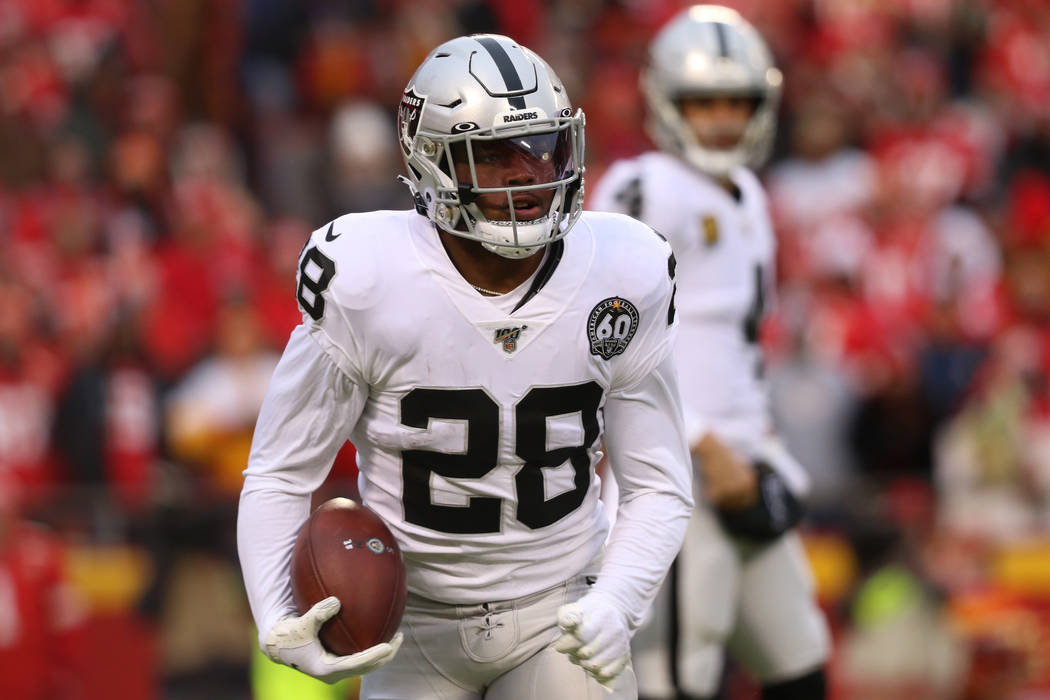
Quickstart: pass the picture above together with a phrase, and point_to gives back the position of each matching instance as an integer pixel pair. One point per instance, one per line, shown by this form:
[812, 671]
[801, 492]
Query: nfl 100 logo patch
[611, 325]
[509, 337]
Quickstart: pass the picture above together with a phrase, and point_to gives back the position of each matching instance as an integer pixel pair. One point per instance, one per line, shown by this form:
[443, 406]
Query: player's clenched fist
[594, 635]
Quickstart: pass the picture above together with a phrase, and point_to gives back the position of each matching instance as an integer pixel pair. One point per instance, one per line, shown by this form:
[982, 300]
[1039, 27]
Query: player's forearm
[267, 523]
[647, 536]
[309, 409]
[648, 453]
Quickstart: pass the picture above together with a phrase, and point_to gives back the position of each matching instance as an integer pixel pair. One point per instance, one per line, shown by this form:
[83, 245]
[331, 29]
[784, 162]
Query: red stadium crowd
[163, 163]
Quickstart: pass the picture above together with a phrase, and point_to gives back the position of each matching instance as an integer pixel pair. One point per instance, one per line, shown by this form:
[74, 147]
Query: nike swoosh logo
[329, 236]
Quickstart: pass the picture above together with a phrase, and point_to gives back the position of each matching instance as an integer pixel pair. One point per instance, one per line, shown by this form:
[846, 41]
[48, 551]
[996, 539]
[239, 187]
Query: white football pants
[757, 601]
[497, 651]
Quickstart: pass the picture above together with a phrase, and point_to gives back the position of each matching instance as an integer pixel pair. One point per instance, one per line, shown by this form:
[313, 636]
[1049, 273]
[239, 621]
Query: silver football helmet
[473, 91]
[709, 50]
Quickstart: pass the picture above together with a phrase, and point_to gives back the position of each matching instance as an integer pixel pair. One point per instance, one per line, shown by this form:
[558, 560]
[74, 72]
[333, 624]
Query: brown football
[346, 550]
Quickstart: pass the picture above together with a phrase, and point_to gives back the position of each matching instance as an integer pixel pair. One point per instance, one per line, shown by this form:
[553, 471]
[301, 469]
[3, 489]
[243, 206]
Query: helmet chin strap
[507, 250]
[512, 252]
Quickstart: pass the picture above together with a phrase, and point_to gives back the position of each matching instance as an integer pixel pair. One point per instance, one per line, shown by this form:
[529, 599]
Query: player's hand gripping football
[293, 641]
[594, 635]
[729, 482]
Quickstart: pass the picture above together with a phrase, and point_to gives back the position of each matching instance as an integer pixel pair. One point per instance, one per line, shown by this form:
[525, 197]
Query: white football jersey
[725, 249]
[477, 427]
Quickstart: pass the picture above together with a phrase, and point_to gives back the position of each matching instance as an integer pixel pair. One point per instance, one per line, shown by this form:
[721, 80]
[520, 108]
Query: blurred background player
[741, 580]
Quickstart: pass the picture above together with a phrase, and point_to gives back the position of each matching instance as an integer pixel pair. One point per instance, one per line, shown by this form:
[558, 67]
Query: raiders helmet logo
[611, 326]
[408, 114]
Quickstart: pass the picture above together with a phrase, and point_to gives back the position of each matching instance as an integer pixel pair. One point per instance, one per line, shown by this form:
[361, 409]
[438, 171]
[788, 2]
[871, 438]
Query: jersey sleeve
[641, 189]
[649, 458]
[654, 267]
[619, 190]
[644, 435]
[309, 410]
[332, 280]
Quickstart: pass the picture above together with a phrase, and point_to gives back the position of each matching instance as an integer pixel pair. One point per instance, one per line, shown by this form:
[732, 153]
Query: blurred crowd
[163, 162]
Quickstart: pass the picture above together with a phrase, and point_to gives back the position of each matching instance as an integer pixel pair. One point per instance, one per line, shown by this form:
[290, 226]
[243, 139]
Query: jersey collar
[551, 292]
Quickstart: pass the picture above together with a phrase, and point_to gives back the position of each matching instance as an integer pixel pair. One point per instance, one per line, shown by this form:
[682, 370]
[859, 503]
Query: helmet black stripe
[506, 69]
[723, 42]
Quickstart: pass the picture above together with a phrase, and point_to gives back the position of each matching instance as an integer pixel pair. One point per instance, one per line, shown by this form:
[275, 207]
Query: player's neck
[724, 181]
[486, 270]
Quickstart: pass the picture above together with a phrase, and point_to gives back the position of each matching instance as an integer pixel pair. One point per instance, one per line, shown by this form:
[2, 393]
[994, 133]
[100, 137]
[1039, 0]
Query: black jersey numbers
[630, 197]
[480, 416]
[315, 274]
[672, 269]
[532, 414]
[753, 320]
[672, 266]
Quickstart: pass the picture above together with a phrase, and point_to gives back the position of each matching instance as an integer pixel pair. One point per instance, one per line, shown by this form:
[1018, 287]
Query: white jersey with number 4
[725, 248]
[758, 600]
[477, 426]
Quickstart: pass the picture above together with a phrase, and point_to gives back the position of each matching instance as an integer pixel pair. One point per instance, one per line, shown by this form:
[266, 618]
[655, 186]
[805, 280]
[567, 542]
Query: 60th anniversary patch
[611, 326]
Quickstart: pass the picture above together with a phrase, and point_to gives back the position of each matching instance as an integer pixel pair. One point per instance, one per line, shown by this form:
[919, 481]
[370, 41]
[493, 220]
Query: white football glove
[594, 635]
[293, 641]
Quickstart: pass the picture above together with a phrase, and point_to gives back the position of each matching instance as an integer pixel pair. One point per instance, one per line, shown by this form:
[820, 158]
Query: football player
[741, 580]
[477, 351]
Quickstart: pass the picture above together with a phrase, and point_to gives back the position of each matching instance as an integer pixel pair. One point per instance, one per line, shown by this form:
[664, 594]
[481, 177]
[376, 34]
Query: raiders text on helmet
[486, 88]
[709, 50]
